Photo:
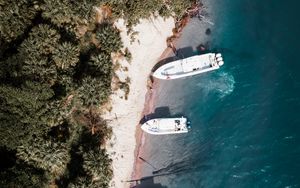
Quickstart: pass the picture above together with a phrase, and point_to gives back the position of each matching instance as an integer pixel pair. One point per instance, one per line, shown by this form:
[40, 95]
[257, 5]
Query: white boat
[189, 66]
[162, 126]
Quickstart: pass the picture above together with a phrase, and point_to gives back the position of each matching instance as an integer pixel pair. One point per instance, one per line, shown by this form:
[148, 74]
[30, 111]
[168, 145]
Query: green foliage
[178, 7]
[55, 70]
[141, 9]
[27, 104]
[23, 176]
[93, 91]
[10, 68]
[97, 166]
[15, 17]
[50, 156]
[59, 12]
[102, 63]
[67, 13]
[39, 69]
[86, 181]
[42, 40]
[13, 133]
[125, 86]
[128, 55]
[66, 56]
[132, 11]
[164, 11]
[108, 37]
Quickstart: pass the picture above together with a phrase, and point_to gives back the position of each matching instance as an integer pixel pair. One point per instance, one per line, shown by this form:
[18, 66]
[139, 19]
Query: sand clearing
[125, 114]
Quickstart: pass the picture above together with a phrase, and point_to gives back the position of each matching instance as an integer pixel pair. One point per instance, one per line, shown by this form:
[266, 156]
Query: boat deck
[165, 126]
[189, 66]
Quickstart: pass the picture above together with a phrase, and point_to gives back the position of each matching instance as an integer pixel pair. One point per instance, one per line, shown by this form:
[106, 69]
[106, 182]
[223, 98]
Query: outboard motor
[218, 55]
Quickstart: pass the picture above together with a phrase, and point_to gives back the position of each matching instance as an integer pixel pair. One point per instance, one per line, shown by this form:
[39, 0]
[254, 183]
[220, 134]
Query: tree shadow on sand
[172, 169]
[147, 182]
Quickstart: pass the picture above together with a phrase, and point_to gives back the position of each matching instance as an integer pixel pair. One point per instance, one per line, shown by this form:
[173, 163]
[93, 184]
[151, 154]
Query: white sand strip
[147, 48]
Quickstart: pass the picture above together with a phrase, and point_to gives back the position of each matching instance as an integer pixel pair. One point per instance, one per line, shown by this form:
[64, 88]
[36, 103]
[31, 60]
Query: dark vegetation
[55, 73]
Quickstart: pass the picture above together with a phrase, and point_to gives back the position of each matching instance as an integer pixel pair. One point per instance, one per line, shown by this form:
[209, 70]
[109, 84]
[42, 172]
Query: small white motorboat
[161, 126]
[189, 66]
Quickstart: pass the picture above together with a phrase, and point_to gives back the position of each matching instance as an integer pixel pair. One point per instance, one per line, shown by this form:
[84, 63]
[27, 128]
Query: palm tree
[50, 156]
[39, 69]
[102, 62]
[96, 163]
[69, 15]
[66, 56]
[59, 12]
[108, 37]
[42, 40]
[94, 91]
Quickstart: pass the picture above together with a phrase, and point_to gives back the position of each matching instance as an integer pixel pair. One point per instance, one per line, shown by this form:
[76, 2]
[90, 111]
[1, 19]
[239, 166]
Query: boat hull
[189, 66]
[163, 126]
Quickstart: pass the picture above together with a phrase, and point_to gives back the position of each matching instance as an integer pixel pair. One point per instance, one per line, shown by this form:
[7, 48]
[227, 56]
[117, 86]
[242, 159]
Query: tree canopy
[55, 73]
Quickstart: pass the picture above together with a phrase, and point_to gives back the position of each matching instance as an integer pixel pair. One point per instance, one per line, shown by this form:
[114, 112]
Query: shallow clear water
[245, 116]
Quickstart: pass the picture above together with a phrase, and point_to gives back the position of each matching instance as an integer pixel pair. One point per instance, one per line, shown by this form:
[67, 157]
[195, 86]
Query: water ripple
[222, 83]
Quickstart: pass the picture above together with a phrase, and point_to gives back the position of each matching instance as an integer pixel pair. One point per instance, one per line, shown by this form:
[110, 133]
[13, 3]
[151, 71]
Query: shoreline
[152, 94]
[150, 99]
[140, 136]
[125, 114]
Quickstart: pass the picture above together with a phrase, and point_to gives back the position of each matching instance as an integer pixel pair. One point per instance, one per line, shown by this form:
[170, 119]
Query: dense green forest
[55, 73]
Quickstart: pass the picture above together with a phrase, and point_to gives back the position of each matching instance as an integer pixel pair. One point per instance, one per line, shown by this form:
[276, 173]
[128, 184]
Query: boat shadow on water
[159, 112]
[179, 53]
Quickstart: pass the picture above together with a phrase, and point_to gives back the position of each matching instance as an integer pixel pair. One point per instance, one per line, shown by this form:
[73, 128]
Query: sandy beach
[125, 114]
[149, 108]
[153, 95]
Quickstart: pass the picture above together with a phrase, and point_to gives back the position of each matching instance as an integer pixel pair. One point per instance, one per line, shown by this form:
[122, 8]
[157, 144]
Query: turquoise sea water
[245, 116]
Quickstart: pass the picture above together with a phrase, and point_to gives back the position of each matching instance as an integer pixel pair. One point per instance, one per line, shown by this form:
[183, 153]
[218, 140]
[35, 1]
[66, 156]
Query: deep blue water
[245, 116]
